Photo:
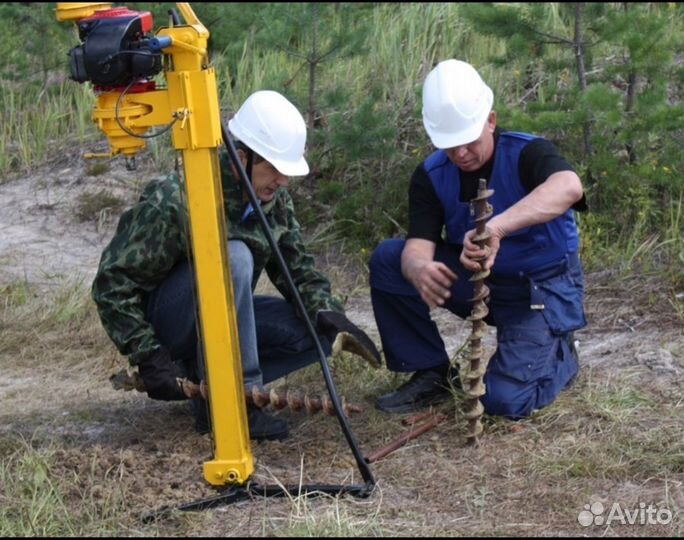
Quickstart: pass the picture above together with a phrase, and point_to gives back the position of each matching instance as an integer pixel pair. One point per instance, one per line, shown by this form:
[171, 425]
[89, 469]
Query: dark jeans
[282, 339]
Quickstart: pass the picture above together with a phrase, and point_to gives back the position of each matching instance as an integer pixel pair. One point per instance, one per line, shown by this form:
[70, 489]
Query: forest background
[604, 81]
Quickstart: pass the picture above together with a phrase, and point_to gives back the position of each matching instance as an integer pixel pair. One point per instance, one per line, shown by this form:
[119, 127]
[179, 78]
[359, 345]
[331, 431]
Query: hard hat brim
[452, 139]
[289, 168]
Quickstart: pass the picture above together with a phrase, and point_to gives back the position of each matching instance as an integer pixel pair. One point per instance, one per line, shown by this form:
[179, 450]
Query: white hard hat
[456, 104]
[273, 127]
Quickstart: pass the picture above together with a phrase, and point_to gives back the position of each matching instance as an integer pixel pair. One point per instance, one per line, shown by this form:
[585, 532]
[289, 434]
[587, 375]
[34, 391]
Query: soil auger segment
[123, 380]
[297, 402]
[472, 376]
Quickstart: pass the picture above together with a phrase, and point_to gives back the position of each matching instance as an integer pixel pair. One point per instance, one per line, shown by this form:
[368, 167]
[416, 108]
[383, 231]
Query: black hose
[175, 19]
[364, 469]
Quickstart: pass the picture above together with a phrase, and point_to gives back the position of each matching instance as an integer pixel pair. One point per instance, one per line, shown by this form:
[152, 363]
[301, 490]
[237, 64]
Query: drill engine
[115, 49]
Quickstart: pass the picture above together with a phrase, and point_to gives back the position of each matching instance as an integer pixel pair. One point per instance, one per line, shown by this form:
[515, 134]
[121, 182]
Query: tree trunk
[582, 75]
[629, 99]
[313, 60]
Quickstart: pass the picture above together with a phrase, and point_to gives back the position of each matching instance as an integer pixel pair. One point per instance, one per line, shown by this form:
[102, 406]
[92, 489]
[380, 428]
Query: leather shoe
[424, 388]
[262, 426]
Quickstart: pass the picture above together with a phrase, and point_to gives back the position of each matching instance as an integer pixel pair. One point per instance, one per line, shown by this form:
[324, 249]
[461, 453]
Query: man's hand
[159, 376]
[355, 340]
[433, 280]
[476, 258]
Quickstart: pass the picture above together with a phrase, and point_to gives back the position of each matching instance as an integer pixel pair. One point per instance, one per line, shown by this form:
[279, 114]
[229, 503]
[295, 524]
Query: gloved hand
[160, 378]
[346, 336]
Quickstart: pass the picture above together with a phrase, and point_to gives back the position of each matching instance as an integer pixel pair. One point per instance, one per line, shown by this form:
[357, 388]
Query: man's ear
[243, 156]
[491, 121]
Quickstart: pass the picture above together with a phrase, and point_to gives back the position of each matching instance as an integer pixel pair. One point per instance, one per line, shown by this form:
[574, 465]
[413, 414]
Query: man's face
[266, 180]
[472, 156]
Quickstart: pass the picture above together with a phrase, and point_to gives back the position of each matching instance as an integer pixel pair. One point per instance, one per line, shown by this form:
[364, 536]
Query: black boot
[262, 426]
[424, 388]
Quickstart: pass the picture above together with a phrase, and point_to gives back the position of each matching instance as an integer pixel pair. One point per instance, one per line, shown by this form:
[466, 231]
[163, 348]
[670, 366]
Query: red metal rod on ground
[406, 437]
[412, 420]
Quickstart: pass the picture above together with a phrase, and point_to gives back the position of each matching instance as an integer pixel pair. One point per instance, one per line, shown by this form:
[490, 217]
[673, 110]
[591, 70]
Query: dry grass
[97, 458]
[99, 206]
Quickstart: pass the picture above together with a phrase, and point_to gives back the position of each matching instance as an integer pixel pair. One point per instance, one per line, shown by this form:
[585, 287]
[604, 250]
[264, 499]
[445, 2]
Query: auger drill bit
[259, 397]
[297, 402]
[473, 386]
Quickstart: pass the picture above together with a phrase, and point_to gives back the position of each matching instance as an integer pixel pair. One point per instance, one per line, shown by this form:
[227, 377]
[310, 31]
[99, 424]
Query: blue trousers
[534, 359]
[273, 340]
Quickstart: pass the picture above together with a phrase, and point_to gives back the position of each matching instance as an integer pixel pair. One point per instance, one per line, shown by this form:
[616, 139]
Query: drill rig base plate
[236, 494]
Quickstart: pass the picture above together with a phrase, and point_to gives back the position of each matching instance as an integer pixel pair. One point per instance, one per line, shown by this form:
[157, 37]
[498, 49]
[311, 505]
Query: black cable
[175, 19]
[364, 469]
[128, 131]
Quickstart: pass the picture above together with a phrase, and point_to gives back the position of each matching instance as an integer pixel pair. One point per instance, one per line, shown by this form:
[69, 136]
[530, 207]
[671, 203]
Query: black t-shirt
[538, 160]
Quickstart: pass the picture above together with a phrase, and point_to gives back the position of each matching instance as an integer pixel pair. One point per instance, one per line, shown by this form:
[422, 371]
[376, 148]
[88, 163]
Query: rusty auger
[123, 380]
[297, 402]
[473, 386]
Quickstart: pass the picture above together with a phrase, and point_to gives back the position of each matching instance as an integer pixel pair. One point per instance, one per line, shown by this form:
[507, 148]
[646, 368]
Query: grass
[35, 124]
[607, 426]
[639, 250]
[99, 206]
[86, 460]
[35, 502]
[322, 515]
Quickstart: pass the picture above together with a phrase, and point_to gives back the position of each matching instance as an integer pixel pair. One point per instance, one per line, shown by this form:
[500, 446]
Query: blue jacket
[525, 251]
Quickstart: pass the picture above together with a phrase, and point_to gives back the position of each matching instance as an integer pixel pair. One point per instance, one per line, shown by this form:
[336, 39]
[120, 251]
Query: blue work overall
[536, 293]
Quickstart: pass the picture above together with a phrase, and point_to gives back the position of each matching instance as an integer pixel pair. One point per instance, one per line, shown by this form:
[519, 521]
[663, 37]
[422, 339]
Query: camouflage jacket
[153, 236]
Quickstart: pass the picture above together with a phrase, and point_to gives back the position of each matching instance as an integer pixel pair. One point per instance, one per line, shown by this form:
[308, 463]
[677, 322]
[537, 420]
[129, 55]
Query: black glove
[345, 335]
[159, 375]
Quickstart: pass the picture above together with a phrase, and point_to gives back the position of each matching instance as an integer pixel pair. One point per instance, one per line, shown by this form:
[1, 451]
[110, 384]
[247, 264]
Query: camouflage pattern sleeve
[150, 239]
[312, 284]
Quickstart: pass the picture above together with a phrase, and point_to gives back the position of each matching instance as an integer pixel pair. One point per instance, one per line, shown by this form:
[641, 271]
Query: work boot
[262, 426]
[424, 388]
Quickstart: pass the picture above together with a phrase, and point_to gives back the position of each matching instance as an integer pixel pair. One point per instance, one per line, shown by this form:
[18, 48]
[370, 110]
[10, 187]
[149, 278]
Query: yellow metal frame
[191, 102]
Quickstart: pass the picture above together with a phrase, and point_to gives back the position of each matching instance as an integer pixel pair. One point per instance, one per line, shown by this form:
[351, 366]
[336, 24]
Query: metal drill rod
[412, 433]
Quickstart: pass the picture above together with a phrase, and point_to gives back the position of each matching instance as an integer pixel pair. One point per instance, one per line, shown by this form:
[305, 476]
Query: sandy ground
[119, 436]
